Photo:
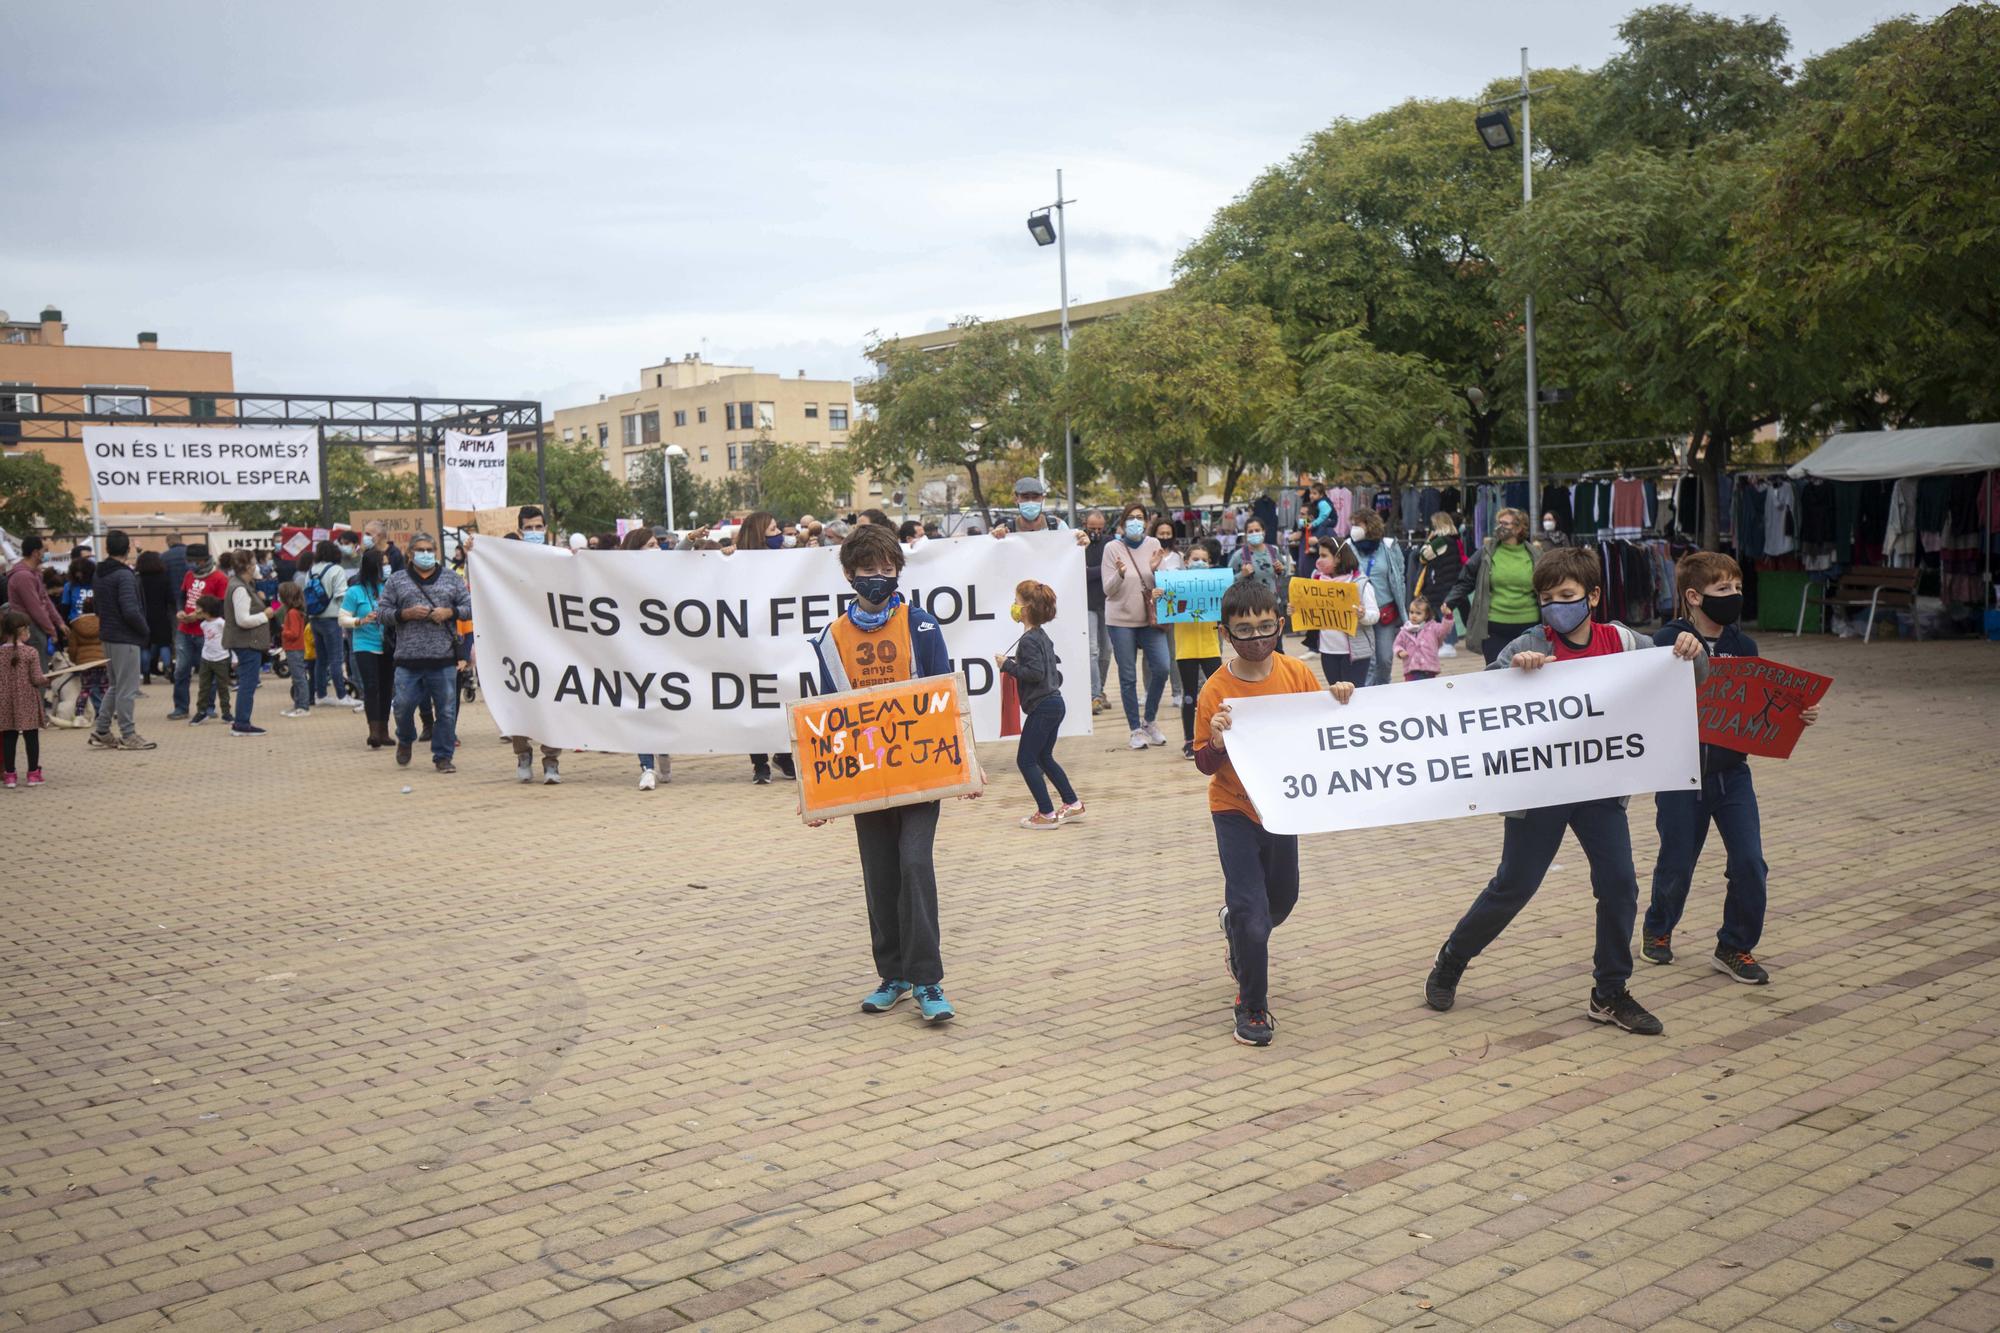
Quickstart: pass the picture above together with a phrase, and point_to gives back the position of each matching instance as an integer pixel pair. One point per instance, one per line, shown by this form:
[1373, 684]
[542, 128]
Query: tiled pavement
[284, 1047]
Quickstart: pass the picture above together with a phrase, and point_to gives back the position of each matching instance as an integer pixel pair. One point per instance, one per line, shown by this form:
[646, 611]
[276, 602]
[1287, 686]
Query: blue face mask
[1031, 510]
[1564, 617]
[425, 560]
[1135, 530]
[535, 538]
[775, 541]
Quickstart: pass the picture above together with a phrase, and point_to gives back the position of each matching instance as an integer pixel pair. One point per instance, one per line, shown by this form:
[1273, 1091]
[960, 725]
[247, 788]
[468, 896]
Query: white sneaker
[551, 775]
[1446, 650]
[646, 779]
[1154, 736]
[356, 702]
[524, 768]
[296, 712]
[1139, 741]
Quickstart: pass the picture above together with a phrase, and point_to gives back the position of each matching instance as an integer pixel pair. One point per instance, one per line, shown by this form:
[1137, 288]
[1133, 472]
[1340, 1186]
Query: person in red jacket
[202, 579]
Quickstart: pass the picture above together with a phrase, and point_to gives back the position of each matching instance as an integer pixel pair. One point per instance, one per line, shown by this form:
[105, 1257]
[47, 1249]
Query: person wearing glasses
[1260, 869]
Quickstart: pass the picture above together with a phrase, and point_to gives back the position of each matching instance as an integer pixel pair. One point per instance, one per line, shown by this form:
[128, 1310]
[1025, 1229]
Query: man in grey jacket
[121, 625]
[424, 601]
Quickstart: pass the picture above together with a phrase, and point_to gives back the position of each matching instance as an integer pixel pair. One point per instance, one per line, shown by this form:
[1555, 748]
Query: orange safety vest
[874, 657]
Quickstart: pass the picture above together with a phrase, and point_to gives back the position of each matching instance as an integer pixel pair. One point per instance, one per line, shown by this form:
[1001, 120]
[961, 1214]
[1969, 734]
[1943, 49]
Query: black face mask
[1723, 610]
[874, 589]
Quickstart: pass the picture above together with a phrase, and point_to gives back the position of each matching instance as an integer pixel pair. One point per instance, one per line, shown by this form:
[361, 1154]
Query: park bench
[1873, 587]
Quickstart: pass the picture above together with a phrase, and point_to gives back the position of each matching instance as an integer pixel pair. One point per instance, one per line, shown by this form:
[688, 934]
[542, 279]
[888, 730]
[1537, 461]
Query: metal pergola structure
[371, 421]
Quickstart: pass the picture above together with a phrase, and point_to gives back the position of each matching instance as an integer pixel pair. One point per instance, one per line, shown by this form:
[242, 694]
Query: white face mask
[1356, 532]
[1548, 525]
[791, 539]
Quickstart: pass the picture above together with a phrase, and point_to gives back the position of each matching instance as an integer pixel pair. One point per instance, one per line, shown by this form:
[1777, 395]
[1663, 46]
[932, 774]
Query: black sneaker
[1657, 948]
[1441, 986]
[1228, 949]
[1741, 966]
[1254, 1026]
[785, 769]
[1624, 1011]
[761, 776]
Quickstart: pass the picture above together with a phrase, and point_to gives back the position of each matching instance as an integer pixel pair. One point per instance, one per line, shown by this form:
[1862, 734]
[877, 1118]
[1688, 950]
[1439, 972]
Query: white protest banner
[475, 470]
[215, 463]
[696, 652]
[1479, 744]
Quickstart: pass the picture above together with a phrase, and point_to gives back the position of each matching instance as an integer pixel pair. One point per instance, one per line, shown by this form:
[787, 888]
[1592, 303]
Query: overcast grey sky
[533, 198]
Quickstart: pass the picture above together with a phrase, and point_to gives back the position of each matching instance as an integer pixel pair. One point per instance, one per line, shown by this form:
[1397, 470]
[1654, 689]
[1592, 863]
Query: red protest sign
[1753, 705]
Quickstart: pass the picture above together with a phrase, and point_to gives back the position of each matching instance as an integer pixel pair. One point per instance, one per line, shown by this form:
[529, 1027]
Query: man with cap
[1028, 493]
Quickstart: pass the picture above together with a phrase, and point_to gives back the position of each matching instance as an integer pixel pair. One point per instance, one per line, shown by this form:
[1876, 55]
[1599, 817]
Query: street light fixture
[667, 467]
[1055, 230]
[1496, 131]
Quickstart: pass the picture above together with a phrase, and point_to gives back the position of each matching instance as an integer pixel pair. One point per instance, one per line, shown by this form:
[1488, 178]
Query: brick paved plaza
[285, 1048]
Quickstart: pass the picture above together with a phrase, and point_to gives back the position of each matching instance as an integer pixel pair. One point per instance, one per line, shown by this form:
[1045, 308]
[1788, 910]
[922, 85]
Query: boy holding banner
[1709, 587]
[880, 638]
[1567, 584]
[1260, 869]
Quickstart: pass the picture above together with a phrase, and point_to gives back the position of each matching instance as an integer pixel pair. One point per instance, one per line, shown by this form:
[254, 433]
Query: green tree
[789, 480]
[583, 497]
[33, 497]
[1685, 78]
[1877, 229]
[1174, 385]
[960, 408]
[696, 499]
[1633, 261]
[353, 481]
[1386, 417]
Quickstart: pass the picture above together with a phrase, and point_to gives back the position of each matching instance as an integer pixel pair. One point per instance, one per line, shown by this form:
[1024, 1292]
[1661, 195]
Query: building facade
[718, 414]
[122, 382]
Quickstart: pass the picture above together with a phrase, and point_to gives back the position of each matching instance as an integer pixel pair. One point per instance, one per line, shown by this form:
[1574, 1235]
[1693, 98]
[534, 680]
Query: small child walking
[212, 673]
[1197, 648]
[21, 685]
[293, 638]
[1417, 643]
[1345, 656]
[1038, 676]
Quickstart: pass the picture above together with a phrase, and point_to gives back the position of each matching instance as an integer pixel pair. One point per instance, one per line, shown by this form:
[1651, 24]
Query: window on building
[704, 453]
[603, 434]
[843, 500]
[701, 415]
[681, 417]
[649, 428]
[812, 411]
[732, 458]
[202, 405]
[569, 434]
[729, 416]
[767, 416]
[629, 434]
[117, 400]
[836, 417]
[659, 381]
[743, 415]
[13, 399]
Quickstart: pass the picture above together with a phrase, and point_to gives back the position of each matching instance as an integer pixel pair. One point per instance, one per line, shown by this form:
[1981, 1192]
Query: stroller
[63, 696]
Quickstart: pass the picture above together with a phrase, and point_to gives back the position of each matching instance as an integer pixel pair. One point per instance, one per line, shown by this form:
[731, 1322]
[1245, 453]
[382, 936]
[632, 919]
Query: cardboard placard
[902, 743]
[1326, 604]
[491, 522]
[398, 524]
[1753, 705]
[1191, 595]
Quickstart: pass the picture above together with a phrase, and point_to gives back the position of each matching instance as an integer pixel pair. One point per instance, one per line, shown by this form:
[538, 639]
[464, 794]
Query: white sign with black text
[209, 463]
[696, 652]
[475, 470]
[1478, 744]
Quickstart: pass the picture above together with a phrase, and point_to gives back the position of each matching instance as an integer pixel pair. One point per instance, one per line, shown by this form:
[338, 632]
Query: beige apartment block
[124, 382]
[716, 413]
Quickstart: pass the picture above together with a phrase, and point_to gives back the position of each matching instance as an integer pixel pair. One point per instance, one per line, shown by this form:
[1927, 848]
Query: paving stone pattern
[286, 1048]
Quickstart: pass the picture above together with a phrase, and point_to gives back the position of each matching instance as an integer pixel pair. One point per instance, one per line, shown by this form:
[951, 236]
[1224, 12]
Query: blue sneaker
[885, 997]
[933, 1006]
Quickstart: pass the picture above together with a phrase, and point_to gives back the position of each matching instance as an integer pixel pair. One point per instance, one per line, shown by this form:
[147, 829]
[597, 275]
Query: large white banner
[475, 470]
[212, 463]
[695, 652]
[1480, 744]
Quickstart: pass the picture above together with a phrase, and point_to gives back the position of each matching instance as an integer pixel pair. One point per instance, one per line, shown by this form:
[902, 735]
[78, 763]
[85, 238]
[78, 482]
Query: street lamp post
[1046, 230]
[1498, 134]
[667, 467]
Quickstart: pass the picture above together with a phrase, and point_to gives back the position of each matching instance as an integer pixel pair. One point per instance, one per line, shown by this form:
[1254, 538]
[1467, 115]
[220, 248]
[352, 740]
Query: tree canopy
[34, 498]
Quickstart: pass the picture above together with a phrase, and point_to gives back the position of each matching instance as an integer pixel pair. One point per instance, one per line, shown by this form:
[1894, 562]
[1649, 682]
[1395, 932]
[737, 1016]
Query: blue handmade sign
[1191, 595]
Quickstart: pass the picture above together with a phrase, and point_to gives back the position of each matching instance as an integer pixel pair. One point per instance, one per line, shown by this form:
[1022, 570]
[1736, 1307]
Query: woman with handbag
[1131, 559]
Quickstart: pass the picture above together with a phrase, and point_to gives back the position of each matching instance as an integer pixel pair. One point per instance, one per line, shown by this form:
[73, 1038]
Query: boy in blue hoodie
[880, 638]
[1708, 589]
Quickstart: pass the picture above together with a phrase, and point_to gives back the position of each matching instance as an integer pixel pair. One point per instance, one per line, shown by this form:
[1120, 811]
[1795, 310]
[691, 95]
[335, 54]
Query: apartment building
[716, 413]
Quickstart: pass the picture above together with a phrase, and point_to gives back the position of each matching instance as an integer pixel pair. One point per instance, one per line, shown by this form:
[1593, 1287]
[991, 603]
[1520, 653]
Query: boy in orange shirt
[1260, 869]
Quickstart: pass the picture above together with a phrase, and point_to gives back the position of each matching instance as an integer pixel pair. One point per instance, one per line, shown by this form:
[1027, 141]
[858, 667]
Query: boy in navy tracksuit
[1708, 587]
[878, 639]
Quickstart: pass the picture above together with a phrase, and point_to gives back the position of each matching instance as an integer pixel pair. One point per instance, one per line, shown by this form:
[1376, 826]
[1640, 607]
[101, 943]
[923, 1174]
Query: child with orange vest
[880, 638]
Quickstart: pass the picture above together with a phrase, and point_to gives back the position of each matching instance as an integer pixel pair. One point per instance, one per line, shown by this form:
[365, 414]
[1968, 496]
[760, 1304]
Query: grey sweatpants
[121, 661]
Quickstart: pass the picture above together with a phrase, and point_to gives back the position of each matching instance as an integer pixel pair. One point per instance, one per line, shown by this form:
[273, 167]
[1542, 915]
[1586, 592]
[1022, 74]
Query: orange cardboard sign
[897, 744]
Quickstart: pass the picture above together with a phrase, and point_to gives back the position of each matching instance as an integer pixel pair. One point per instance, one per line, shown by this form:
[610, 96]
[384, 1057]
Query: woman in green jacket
[1496, 589]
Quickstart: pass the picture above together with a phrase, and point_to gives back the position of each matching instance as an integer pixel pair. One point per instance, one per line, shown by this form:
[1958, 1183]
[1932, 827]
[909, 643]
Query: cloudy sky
[532, 199]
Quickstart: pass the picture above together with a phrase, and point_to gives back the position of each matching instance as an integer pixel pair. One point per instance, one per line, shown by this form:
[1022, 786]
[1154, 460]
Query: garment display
[1899, 536]
[1781, 531]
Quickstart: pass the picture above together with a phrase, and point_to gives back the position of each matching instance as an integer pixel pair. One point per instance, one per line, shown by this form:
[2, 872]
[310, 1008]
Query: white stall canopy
[1885, 455]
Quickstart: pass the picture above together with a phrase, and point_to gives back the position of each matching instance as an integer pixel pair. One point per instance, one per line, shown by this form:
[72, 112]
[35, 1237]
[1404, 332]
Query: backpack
[316, 596]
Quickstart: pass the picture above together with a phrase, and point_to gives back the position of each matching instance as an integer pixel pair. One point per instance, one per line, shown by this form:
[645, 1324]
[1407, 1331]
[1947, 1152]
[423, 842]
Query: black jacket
[121, 613]
[1035, 668]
